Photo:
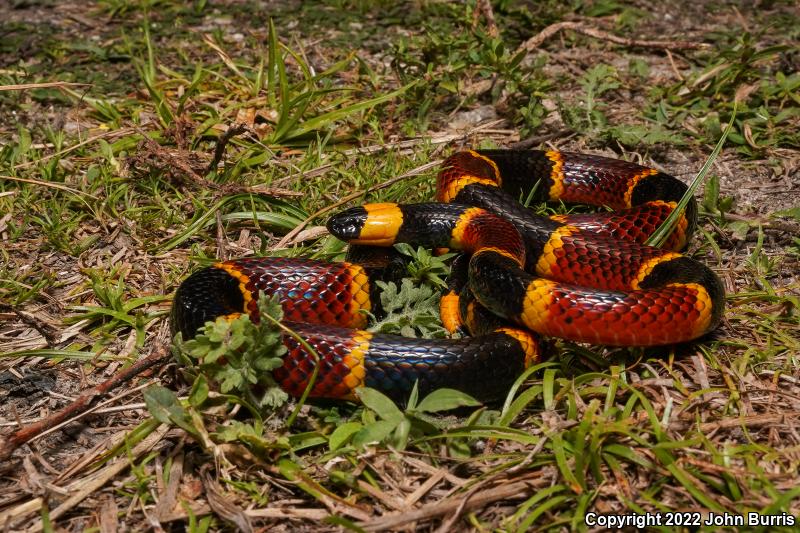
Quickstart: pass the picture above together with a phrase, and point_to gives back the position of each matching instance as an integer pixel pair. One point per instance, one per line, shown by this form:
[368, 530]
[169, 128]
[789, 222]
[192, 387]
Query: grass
[110, 194]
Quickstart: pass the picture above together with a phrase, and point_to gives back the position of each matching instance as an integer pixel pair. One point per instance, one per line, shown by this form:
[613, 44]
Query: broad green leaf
[342, 434]
[445, 400]
[381, 404]
[375, 432]
[793, 212]
[165, 407]
[401, 434]
[199, 391]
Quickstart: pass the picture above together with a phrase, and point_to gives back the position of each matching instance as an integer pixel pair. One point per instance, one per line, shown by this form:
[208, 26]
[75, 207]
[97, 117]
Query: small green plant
[717, 206]
[384, 422]
[588, 116]
[760, 263]
[410, 311]
[116, 309]
[713, 203]
[413, 309]
[426, 268]
[232, 362]
[238, 355]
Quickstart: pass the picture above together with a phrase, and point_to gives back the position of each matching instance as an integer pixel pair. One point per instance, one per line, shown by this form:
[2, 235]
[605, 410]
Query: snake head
[347, 224]
[373, 224]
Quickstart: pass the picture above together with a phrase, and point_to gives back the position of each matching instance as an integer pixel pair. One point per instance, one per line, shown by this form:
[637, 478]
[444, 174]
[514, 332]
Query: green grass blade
[327, 119]
[659, 237]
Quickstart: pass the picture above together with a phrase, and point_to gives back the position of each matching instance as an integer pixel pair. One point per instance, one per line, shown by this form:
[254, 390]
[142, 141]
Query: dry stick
[751, 421]
[409, 144]
[432, 139]
[49, 332]
[223, 141]
[400, 146]
[45, 85]
[81, 403]
[484, 8]
[536, 41]
[423, 489]
[52, 185]
[95, 409]
[419, 170]
[280, 513]
[787, 226]
[447, 526]
[309, 234]
[517, 490]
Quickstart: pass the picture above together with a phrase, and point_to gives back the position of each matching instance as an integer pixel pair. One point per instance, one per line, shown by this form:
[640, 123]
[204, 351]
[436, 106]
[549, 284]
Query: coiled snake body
[586, 278]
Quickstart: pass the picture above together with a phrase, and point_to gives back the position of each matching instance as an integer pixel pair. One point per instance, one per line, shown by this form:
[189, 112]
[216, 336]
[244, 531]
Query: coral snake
[583, 277]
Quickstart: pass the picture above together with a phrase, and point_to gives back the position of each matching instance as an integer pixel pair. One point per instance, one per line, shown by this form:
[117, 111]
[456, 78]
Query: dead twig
[223, 141]
[484, 8]
[48, 331]
[505, 491]
[50, 184]
[780, 225]
[45, 85]
[750, 422]
[81, 403]
[105, 135]
[536, 41]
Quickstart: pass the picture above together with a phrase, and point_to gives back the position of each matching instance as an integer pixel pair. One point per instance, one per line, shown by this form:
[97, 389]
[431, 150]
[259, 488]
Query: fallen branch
[536, 41]
[52, 185]
[45, 85]
[223, 141]
[468, 502]
[81, 404]
[48, 331]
